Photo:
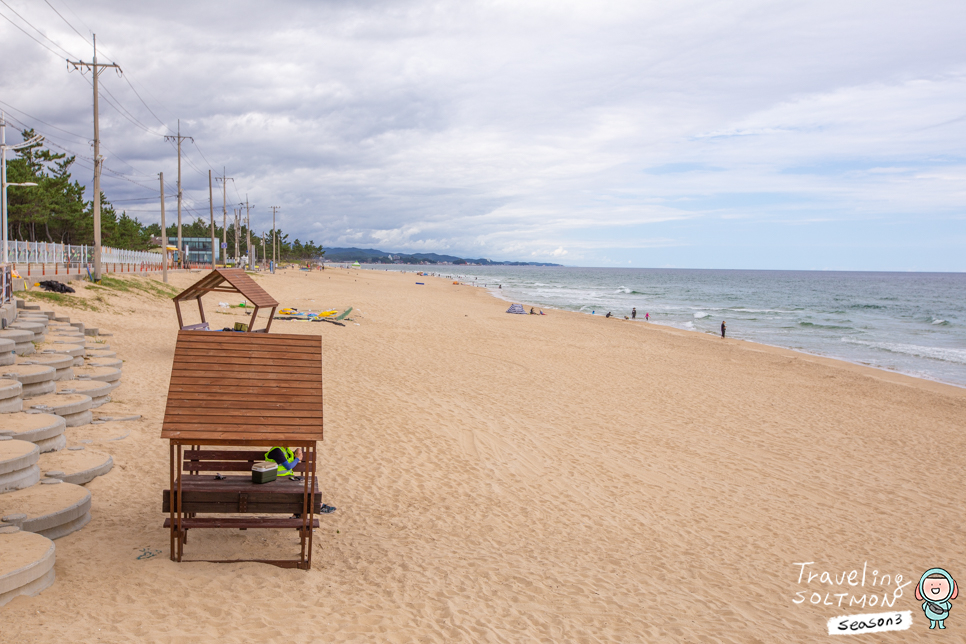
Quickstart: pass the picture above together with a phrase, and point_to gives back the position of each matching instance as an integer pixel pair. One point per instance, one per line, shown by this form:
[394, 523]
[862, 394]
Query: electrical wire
[203, 155]
[52, 41]
[68, 23]
[163, 124]
[31, 116]
[124, 76]
[63, 2]
[48, 137]
[144, 198]
[29, 36]
[123, 113]
[110, 99]
[128, 114]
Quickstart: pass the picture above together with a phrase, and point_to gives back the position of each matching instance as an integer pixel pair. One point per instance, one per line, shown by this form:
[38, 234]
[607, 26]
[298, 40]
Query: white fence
[21, 252]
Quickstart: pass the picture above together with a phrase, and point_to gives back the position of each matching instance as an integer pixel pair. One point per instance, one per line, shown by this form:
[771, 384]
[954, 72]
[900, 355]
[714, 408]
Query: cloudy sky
[783, 134]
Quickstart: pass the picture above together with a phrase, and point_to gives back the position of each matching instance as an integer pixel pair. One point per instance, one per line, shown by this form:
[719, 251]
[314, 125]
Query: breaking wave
[957, 356]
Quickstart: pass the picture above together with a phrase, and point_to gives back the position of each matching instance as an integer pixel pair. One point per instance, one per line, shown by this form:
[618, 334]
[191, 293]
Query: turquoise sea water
[914, 323]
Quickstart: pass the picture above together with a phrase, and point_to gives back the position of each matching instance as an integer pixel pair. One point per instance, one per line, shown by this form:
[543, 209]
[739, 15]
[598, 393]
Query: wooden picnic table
[242, 390]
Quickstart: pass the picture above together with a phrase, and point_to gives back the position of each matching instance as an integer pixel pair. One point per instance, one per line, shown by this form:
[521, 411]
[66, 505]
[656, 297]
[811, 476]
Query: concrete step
[18, 464]
[100, 353]
[10, 395]
[37, 379]
[23, 340]
[77, 466]
[26, 563]
[38, 330]
[61, 363]
[32, 316]
[66, 348]
[51, 508]
[99, 391]
[66, 334]
[105, 362]
[74, 408]
[8, 352]
[105, 374]
[44, 430]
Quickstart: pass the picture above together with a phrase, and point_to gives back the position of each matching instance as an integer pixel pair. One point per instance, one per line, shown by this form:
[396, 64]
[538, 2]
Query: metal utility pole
[98, 161]
[164, 236]
[3, 178]
[224, 211]
[248, 224]
[211, 207]
[237, 235]
[274, 260]
[179, 139]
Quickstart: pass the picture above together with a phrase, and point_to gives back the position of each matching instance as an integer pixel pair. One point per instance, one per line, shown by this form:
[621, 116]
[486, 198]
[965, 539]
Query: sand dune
[509, 478]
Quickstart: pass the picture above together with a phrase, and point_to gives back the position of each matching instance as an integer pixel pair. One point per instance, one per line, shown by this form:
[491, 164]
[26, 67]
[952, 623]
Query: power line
[63, 2]
[31, 116]
[28, 35]
[202, 154]
[115, 104]
[126, 80]
[57, 45]
[146, 105]
[66, 21]
[130, 116]
[49, 137]
[141, 199]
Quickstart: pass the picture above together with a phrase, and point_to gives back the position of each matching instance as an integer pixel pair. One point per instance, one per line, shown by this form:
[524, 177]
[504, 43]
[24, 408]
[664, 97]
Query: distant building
[199, 248]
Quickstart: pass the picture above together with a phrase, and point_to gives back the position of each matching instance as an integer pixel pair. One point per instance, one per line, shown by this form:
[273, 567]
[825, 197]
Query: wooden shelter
[231, 390]
[226, 280]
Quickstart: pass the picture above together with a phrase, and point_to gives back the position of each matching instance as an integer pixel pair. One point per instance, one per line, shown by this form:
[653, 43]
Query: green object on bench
[264, 472]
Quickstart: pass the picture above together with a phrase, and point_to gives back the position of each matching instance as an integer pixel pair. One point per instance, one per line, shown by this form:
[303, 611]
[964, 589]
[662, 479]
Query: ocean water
[913, 323]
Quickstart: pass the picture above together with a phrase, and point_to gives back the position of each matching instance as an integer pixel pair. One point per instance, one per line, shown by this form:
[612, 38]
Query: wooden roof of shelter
[238, 388]
[226, 280]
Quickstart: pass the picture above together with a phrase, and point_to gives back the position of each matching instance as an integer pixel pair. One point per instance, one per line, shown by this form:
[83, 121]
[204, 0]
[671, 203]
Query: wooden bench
[242, 390]
[201, 492]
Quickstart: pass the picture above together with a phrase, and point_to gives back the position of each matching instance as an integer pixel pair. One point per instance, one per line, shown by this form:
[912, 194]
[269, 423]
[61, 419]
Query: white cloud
[507, 129]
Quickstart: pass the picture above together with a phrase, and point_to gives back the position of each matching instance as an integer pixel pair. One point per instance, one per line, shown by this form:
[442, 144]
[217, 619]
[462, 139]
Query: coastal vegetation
[56, 211]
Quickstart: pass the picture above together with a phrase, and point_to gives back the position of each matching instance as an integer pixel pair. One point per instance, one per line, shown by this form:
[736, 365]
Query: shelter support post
[271, 316]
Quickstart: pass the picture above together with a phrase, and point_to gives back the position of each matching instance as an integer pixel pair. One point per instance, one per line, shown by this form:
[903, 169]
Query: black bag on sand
[56, 287]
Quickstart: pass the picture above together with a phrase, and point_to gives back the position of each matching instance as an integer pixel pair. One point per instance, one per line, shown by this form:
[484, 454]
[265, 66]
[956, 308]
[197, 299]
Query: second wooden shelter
[226, 280]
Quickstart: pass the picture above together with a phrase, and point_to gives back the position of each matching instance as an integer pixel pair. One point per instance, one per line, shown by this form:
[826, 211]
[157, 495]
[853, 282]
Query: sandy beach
[510, 478]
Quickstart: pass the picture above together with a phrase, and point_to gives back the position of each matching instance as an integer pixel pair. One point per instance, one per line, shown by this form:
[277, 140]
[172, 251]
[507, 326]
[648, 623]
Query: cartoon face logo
[936, 590]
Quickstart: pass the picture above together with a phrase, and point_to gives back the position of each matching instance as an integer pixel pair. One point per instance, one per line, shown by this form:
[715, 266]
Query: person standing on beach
[634, 313]
[647, 317]
[723, 327]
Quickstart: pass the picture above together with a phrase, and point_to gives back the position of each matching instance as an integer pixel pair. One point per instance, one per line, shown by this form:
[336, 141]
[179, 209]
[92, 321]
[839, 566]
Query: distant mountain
[373, 256]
